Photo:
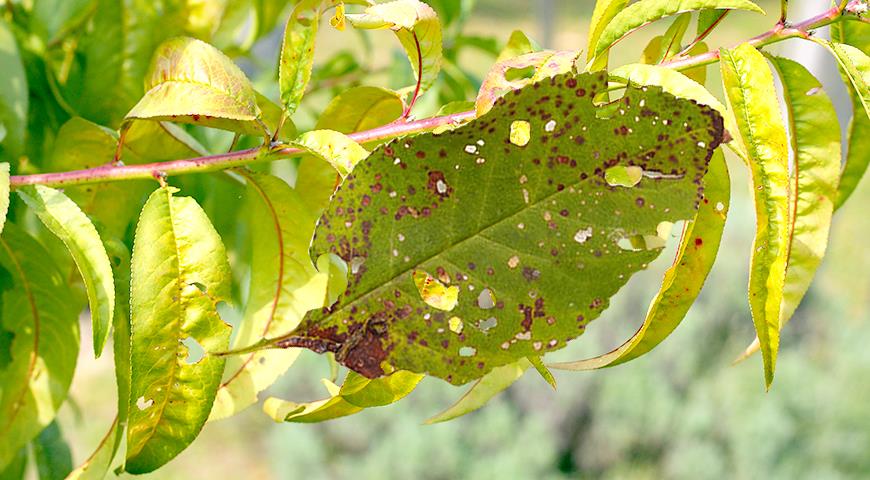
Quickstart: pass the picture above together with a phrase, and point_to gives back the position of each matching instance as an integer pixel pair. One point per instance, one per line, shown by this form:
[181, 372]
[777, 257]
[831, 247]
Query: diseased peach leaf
[533, 236]
[683, 281]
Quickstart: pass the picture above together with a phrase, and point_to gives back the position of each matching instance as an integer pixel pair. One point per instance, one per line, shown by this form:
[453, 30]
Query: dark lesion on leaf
[362, 348]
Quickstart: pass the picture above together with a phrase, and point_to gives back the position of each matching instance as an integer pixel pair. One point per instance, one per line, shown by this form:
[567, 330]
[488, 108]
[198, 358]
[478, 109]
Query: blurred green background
[683, 411]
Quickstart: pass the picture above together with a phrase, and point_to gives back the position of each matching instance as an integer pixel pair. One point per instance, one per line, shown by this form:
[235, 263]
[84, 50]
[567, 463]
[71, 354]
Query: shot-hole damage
[475, 241]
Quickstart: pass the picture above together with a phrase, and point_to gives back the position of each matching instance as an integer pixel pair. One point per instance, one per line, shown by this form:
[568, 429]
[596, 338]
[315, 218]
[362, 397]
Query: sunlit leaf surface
[532, 235]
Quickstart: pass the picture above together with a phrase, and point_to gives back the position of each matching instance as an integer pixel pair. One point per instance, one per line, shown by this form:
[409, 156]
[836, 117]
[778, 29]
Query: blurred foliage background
[683, 411]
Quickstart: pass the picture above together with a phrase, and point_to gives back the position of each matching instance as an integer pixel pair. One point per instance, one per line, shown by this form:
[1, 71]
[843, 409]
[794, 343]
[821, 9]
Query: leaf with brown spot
[537, 225]
[683, 281]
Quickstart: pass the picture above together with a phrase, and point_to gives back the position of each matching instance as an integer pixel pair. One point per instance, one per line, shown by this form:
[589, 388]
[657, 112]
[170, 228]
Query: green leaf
[40, 318]
[333, 147]
[100, 461]
[53, 19]
[518, 44]
[14, 98]
[17, 468]
[376, 393]
[603, 14]
[643, 12]
[856, 34]
[515, 226]
[699, 73]
[683, 281]
[284, 285]
[416, 26]
[815, 141]
[179, 274]
[66, 221]
[297, 52]
[708, 19]
[4, 194]
[117, 50]
[673, 37]
[855, 64]
[357, 394]
[360, 108]
[487, 387]
[750, 90]
[680, 86]
[52, 454]
[546, 374]
[515, 73]
[192, 82]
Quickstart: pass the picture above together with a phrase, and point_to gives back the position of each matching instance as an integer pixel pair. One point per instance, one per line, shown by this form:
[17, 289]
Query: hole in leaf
[659, 175]
[455, 325]
[486, 325]
[513, 74]
[141, 404]
[195, 352]
[356, 263]
[486, 299]
[623, 176]
[520, 133]
[607, 111]
[637, 243]
[467, 351]
[434, 293]
[583, 234]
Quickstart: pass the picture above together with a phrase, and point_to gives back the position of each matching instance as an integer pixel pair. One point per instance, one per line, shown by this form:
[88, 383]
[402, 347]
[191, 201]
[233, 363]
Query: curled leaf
[856, 34]
[750, 90]
[356, 394]
[483, 390]
[855, 65]
[815, 141]
[67, 221]
[192, 82]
